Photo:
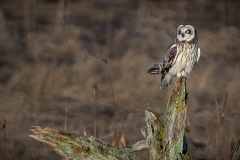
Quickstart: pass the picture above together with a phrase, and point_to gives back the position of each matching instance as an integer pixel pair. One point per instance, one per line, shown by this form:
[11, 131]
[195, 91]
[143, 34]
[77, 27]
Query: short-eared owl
[180, 57]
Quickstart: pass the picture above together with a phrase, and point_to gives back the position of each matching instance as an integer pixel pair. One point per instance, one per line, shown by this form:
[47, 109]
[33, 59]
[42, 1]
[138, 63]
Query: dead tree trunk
[236, 154]
[164, 136]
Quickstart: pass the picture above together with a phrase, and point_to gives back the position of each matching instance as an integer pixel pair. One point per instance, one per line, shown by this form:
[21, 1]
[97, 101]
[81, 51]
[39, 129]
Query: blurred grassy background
[52, 53]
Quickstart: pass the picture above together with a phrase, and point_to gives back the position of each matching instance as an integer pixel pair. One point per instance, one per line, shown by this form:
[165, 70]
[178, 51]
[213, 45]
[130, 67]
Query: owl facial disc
[185, 33]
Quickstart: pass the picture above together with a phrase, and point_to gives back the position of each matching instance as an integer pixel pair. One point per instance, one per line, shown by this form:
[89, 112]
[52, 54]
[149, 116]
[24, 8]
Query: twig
[65, 121]
[110, 80]
[27, 21]
[221, 116]
[236, 155]
[217, 137]
[95, 89]
[4, 125]
[108, 48]
[224, 108]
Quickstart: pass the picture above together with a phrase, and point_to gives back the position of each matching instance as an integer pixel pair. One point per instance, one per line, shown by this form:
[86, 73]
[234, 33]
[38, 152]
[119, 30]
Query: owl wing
[169, 58]
[198, 54]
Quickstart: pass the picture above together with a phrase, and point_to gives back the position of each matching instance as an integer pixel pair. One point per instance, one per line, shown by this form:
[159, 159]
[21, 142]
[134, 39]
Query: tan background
[50, 58]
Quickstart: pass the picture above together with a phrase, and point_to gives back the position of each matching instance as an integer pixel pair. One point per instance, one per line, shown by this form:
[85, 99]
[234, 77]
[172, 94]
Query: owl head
[186, 33]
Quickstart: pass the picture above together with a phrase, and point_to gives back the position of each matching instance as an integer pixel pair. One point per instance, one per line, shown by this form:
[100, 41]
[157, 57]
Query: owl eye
[188, 31]
[179, 32]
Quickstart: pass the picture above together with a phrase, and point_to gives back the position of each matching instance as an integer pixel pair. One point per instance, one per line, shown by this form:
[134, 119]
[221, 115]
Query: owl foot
[181, 74]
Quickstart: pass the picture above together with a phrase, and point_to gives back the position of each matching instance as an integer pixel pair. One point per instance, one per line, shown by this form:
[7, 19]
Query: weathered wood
[176, 146]
[78, 147]
[236, 154]
[164, 137]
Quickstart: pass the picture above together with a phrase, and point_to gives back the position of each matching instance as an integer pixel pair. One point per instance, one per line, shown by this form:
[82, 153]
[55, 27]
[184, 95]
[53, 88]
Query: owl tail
[166, 81]
[155, 69]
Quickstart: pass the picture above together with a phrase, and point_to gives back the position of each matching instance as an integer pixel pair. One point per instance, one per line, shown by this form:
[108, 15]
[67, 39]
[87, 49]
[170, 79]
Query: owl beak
[183, 35]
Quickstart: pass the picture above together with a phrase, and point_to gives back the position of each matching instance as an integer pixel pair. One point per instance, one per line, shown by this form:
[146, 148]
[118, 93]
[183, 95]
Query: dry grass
[51, 56]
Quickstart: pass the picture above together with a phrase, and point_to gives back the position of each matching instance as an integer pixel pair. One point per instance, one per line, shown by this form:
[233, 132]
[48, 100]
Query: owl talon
[181, 74]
